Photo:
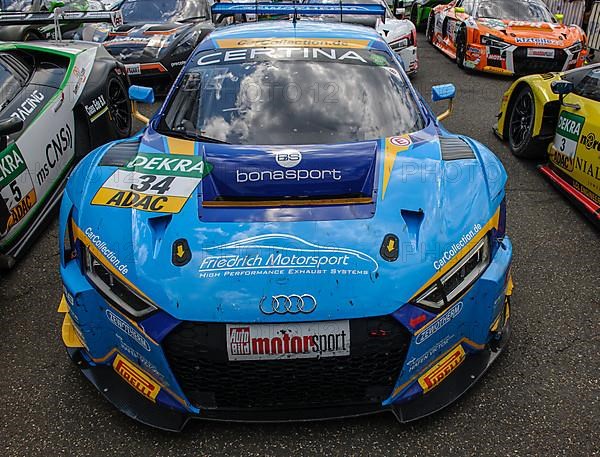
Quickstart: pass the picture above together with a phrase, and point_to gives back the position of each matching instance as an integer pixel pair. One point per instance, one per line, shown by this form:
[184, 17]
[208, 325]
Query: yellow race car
[558, 115]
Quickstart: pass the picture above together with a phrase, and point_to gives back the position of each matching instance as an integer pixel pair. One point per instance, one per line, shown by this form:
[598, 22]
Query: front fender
[542, 94]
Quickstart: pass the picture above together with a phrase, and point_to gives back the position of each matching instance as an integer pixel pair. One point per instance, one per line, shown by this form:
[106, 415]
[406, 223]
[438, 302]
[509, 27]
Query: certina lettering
[29, 105]
[60, 145]
[105, 250]
[456, 247]
[127, 329]
[243, 55]
[439, 323]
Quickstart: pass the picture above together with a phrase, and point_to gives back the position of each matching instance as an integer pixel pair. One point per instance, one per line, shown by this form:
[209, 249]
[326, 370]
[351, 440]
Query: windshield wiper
[194, 18]
[188, 135]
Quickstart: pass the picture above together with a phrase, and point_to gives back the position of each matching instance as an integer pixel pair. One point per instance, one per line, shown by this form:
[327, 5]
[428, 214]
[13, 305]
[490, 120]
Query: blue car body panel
[241, 256]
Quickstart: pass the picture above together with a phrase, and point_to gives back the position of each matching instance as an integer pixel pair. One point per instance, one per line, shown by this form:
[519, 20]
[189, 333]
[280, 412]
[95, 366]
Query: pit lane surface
[540, 397]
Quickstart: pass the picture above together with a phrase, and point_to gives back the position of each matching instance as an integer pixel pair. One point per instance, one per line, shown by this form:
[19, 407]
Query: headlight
[459, 278]
[489, 40]
[114, 290]
[576, 47]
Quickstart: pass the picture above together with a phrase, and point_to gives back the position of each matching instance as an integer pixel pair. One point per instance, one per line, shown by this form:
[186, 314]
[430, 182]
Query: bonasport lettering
[287, 175]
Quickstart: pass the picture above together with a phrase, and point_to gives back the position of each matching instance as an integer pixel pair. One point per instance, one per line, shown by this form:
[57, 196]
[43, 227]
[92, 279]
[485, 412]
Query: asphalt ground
[540, 397]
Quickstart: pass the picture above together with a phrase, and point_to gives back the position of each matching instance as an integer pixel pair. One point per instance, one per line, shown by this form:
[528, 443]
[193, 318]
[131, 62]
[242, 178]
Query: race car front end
[283, 356]
[521, 48]
[404, 43]
[256, 276]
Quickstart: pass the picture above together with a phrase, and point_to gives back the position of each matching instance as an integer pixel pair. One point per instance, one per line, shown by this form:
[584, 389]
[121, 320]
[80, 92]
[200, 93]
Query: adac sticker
[17, 193]
[153, 182]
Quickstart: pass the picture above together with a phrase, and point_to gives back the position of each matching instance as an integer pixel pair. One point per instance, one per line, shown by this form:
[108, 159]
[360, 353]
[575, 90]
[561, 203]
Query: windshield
[163, 10]
[515, 10]
[297, 96]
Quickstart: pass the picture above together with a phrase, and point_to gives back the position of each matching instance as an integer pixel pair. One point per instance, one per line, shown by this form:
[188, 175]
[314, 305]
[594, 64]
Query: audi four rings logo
[293, 304]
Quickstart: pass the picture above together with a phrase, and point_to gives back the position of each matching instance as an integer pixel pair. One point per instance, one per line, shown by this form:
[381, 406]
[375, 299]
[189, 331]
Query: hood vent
[120, 154]
[455, 148]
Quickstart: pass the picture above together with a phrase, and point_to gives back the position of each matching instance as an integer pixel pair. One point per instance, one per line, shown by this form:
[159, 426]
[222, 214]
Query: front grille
[197, 355]
[528, 65]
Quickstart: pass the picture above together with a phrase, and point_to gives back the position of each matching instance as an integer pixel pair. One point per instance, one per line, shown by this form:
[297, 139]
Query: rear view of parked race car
[156, 38]
[41, 28]
[294, 236]
[505, 36]
[59, 101]
[400, 34]
[558, 116]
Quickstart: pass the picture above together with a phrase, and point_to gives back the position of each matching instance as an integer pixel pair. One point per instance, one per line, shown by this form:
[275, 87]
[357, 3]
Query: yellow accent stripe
[78, 233]
[236, 43]
[391, 151]
[492, 223]
[69, 334]
[271, 203]
[181, 147]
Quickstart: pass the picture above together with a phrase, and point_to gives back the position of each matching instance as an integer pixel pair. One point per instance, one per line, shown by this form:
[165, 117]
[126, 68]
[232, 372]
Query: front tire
[520, 126]
[429, 29]
[119, 108]
[461, 48]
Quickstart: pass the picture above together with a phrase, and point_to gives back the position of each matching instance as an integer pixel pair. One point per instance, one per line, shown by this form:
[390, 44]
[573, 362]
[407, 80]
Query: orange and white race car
[505, 36]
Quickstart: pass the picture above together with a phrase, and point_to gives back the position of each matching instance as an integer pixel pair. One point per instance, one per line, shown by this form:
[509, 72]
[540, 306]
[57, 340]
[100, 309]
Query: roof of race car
[300, 29]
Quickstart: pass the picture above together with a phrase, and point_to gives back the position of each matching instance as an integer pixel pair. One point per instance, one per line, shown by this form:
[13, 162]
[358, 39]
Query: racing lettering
[60, 145]
[10, 164]
[569, 125]
[243, 55]
[134, 200]
[28, 106]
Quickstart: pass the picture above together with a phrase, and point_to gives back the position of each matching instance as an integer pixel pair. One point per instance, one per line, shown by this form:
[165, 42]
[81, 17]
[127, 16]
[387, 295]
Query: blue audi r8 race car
[293, 236]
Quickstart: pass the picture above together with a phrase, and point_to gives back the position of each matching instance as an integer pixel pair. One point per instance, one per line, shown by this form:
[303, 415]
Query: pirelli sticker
[17, 193]
[136, 378]
[160, 183]
[441, 370]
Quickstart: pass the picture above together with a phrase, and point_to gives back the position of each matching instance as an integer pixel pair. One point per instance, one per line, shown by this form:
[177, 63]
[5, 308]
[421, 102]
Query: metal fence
[573, 10]
[593, 29]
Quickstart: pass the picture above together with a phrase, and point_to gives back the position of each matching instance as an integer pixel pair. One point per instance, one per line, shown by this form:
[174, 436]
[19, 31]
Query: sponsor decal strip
[236, 43]
[153, 182]
[492, 223]
[438, 323]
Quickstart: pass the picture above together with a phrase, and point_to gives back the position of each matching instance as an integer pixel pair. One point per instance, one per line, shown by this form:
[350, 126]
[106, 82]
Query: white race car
[400, 34]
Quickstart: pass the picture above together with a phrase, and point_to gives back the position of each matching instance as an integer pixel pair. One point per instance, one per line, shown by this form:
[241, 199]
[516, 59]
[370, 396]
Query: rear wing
[295, 9]
[45, 18]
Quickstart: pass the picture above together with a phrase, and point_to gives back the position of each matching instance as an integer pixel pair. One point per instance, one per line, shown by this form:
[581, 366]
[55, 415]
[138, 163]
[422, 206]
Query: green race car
[418, 11]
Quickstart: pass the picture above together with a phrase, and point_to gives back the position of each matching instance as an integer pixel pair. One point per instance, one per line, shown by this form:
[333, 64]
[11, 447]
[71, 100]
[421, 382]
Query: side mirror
[444, 92]
[459, 10]
[561, 87]
[8, 127]
[559, 17]
[140, 94]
